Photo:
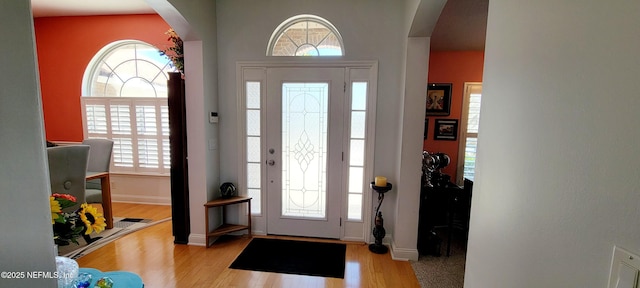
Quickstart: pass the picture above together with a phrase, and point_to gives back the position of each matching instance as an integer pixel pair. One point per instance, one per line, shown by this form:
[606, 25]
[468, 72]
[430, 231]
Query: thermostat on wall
[213, 117]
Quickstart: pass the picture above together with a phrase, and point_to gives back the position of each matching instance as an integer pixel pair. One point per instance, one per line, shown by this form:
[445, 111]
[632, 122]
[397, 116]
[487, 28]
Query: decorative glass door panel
[304, 149]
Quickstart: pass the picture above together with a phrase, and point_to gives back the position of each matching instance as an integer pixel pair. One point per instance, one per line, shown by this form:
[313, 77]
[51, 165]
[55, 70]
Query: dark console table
[444, 206]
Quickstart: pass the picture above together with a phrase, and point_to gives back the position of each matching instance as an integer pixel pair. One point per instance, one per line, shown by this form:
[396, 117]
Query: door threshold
[310, 239]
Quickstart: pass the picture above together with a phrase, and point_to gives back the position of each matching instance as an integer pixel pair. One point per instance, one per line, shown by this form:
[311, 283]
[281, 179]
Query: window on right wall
[469, 127]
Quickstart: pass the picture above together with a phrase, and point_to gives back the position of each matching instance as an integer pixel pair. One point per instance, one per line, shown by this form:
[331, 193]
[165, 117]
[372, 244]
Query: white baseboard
[258, 232]
[403, 254]
[352, 239]
[141, 199]
[197, 240]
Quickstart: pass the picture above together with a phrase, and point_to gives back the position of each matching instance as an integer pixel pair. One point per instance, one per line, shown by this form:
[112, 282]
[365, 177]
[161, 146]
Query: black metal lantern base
[378, 249]
[378, 234]
[378, 229]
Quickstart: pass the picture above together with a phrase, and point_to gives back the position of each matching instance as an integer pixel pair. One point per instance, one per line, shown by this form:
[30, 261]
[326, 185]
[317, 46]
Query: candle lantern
[378, 229]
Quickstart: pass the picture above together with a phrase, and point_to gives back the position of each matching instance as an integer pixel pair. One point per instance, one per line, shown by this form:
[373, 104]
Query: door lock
[271, 162]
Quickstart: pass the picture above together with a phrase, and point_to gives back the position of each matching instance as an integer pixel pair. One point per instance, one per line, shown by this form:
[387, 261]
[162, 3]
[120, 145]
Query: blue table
[121, 279]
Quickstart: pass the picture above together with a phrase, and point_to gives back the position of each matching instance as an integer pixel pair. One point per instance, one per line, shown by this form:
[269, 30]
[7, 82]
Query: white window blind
[139, 146]
[96, 119]
[470, 128]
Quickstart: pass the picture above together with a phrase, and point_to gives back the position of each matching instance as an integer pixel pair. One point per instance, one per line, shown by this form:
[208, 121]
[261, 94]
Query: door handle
[271, 162]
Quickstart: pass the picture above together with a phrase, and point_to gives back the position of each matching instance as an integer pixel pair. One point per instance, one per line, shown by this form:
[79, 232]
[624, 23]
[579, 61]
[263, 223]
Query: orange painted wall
[455, 68]
[65, 46]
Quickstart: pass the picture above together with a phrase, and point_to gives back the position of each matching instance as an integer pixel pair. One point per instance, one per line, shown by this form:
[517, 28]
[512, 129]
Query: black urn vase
[228, 190]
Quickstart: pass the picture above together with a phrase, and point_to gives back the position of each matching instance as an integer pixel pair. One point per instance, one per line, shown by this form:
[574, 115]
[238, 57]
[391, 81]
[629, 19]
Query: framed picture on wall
[446, 129]
[438, 99]
[426, 128]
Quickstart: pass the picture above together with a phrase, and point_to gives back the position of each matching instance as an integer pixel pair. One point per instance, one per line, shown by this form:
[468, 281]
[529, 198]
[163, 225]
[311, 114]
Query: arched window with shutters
[305, 35]
[124, 98]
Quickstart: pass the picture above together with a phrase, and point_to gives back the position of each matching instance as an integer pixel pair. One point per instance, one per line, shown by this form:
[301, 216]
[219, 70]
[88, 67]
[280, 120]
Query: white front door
[304, 140]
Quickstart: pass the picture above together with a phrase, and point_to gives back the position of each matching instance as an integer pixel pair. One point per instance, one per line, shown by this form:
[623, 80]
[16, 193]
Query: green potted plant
[175, 53]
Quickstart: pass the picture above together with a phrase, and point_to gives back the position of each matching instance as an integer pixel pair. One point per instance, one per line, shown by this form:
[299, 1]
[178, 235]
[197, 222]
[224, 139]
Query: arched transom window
[127, 69]
[124, 98]
[305, 35]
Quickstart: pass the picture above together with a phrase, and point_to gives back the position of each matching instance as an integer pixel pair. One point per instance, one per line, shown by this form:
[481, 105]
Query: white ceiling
[461, 26]
[51, 8]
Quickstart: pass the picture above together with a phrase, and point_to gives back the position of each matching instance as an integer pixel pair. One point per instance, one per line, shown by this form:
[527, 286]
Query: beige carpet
[443, 271]
[121, 227]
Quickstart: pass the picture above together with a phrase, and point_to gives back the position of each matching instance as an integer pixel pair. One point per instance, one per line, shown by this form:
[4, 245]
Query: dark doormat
[293, 257]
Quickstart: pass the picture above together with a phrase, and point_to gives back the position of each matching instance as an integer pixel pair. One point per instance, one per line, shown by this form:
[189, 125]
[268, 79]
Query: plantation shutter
[471, 140]
[138, 127]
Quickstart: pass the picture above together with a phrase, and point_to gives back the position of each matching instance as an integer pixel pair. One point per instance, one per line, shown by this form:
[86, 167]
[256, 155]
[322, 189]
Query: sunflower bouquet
[68, 226]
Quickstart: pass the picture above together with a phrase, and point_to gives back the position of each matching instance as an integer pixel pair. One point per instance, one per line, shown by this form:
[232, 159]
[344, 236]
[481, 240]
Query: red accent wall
[65, 46]
[456, 68]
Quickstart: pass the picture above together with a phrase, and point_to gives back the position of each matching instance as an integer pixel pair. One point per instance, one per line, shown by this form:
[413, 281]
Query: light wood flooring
[151, 254]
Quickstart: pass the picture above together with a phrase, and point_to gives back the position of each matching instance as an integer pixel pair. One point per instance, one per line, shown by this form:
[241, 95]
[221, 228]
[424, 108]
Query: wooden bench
[226, 227]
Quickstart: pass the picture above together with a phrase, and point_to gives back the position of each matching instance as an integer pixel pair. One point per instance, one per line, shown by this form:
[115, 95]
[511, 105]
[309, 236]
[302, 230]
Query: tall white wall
[410, 158]
[195, 21]
[372, 30]
[557, 181]
[25, 221]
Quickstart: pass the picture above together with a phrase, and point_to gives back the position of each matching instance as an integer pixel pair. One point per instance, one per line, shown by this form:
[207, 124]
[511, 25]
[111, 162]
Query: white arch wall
[25, 220]
[557, 181]
[195, 22]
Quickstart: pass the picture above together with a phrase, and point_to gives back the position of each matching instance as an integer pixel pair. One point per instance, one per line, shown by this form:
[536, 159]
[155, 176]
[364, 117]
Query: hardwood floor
[151, 254]
[153, 212]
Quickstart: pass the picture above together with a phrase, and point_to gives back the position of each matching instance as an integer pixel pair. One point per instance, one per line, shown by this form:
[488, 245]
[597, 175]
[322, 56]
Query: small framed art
[446, 129]
[426, 128]
[438, 99]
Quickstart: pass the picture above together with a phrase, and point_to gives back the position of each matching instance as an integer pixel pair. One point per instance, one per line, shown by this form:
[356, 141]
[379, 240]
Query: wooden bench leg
[206, 226]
